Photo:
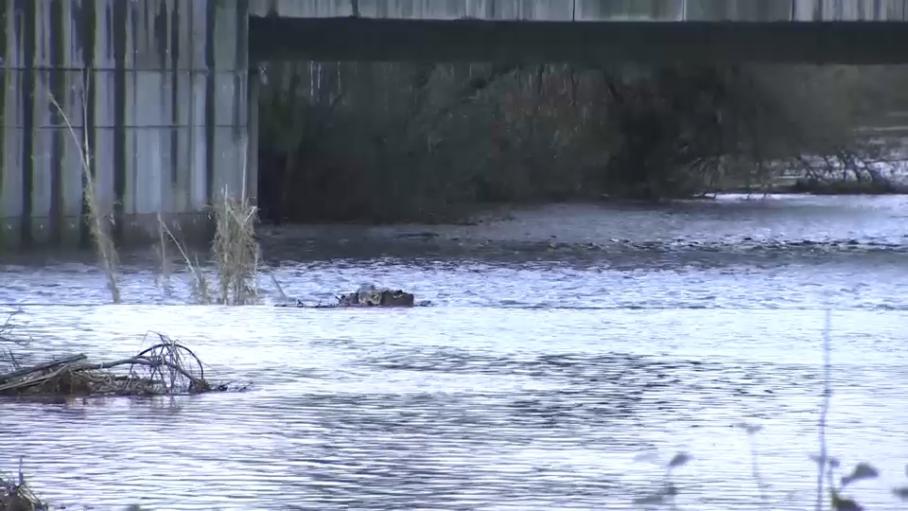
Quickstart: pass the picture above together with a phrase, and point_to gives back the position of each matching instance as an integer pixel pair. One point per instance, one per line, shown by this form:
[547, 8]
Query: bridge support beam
[594, 42]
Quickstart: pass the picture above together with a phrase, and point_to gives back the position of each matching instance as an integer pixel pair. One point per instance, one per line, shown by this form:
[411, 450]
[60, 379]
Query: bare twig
[824, 411]
[162, 256]
[752, 430]
[134, 361]
[280, 289]
[199, 281]
[7, 326]
[9, 318]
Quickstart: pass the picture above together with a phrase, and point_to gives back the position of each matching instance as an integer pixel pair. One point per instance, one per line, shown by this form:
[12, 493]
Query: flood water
[566, 354]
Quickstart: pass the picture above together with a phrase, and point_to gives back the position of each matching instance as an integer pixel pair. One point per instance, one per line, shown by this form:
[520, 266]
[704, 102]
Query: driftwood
[167, 367]
[366, 296]
[371, 296]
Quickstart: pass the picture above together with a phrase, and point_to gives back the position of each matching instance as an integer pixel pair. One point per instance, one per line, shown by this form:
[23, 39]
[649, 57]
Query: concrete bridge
[160, 92]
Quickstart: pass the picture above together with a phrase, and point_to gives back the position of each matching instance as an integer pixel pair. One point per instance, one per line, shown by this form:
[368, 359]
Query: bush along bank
[383, 142]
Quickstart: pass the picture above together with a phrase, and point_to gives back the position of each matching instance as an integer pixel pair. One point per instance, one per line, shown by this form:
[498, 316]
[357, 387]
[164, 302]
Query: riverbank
[607, 226]
[833, 233]
[796, 217]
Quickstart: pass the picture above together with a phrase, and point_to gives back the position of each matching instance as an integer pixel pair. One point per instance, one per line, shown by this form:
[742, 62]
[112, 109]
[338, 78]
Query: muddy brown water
[568, 353]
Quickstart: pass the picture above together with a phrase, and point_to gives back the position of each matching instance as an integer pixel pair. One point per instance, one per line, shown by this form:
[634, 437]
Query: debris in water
[367, 295]
[166, 368]
[370, 296]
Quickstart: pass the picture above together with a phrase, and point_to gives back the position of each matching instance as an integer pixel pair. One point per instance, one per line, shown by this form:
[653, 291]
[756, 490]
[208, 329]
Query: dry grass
[199, 282]
[235, 250]
[98, 222]
[7, 326]
[6, 338]
[161, 250]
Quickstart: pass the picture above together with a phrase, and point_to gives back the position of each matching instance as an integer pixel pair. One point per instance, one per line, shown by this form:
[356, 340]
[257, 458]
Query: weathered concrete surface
[591, 10]
[157, 89]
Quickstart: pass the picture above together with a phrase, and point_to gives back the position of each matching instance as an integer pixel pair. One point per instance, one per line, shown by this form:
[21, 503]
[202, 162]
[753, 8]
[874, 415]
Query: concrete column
[155, 91]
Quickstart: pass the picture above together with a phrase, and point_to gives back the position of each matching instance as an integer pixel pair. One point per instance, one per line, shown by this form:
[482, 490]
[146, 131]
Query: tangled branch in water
[165, 368]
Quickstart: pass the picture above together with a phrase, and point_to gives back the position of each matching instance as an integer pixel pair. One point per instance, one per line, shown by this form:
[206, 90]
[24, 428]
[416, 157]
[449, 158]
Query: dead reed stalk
[107, 253]
[162, 256]
[7, 326]
[824, 412]
[7, 355]
[235, 250]
[199, 282]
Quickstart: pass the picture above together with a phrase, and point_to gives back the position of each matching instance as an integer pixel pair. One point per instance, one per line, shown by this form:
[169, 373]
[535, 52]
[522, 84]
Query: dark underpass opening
[428, 121]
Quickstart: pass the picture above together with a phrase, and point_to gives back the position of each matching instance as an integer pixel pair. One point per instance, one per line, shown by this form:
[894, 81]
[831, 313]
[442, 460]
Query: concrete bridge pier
[156, 89]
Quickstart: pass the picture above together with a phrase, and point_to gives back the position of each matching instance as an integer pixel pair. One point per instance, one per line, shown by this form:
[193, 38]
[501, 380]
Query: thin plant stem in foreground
[199, 281]
[104, 245]
[162, 257]
[824, 412]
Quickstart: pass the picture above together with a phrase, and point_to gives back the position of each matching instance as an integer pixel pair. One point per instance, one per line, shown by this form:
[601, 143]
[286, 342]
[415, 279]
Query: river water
[566, 354]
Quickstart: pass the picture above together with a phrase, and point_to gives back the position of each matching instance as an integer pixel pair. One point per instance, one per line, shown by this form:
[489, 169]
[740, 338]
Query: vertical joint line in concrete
[89, 28]
[210, 65]
[119, 159]
[4, 13]
[58, 90]
[175, 93]
[28, 33]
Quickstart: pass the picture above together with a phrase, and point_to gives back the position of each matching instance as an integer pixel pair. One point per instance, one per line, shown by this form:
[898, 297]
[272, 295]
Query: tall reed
[198, 281]
[235, 250]
[98, 222]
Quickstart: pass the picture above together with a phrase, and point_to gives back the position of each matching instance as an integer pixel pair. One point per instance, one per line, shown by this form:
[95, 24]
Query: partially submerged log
[371, 296]
[166, 368]
[366, 296]
[18, 373]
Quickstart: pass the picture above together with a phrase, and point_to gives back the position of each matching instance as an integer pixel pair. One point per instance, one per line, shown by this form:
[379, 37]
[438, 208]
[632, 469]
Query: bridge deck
[591, 10]
[367, 39]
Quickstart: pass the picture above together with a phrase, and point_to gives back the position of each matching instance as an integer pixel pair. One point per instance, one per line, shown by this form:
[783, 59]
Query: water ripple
[547, 374]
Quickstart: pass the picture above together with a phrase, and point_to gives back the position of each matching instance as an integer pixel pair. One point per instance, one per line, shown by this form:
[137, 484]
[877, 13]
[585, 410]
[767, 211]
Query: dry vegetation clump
[236, 251]
[16, 496]
[165, 368]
